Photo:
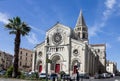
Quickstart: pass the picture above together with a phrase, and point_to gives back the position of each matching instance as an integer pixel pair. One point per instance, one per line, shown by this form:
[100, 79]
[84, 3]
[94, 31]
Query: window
[84, 29]
[20, 57]
[75, 52]
[83, 35]
[26, 58]
[20, 63]
[98, 50]
[78, 29]
[26, 54]
[25, 64]
[20, 52]
[79, 34]
[40, 54]
[31, 55]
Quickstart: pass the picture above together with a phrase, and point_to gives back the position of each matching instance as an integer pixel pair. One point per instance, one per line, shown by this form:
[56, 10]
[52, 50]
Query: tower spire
[80, 21]
[81, 28]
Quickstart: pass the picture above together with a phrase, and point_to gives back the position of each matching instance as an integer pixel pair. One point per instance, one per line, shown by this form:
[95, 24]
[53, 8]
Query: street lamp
[47, 41]
[46, 64]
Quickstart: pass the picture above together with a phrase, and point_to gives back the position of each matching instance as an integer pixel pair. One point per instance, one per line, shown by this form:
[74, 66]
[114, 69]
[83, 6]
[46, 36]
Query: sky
[101, 16]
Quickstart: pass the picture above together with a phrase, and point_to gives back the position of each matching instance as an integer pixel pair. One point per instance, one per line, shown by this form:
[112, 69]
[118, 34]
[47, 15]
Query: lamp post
[47, 41]
[78, 66]
[46, 63]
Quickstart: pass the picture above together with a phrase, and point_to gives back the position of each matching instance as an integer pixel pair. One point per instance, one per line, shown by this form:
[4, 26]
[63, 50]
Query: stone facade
[25, 60]
[111, 67]
[6, 60]
[69, 50]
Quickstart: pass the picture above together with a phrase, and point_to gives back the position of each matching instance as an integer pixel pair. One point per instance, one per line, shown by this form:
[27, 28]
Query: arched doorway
[55, 65]
[75, 65]
[39, 65]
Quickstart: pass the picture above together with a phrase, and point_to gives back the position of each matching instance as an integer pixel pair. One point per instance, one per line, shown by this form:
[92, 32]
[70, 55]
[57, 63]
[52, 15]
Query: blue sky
[102, 18]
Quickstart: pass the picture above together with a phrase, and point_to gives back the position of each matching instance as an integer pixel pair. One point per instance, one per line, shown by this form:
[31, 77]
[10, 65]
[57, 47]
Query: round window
[75, 52]
[57, 38]
[40, 54]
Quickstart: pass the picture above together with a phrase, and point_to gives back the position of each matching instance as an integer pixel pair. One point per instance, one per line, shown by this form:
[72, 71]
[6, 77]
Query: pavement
[92, 79]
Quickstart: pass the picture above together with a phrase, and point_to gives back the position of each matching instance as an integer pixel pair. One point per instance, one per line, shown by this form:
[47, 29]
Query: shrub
[62, 73]
[9, 72]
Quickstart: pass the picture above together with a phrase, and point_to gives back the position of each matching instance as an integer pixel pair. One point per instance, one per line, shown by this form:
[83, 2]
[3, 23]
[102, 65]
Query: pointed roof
[80, 21]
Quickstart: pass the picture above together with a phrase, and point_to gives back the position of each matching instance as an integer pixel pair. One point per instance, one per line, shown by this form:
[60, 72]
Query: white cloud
[92, 31]
[109, 9]
[32, 38]
[110, 3]
[4, 18]
[108, 45]
[110, 6]
[39, 30]
[118, 38]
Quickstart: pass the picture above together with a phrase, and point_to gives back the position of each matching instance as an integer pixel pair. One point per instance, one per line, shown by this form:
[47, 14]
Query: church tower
[81, 29]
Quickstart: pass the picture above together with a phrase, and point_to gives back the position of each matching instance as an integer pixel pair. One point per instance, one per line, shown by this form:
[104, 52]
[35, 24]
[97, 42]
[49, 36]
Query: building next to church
[6, 60]
[25, 60]
[69, 50]
[111, 67]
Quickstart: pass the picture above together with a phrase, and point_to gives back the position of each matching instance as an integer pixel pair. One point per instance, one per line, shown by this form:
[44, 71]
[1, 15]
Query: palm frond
[12, 32]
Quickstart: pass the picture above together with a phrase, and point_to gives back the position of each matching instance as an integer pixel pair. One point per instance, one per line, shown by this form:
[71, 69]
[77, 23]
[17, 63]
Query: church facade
[68, 50]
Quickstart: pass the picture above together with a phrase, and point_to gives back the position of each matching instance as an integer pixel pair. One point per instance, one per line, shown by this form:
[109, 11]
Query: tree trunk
[16, 54]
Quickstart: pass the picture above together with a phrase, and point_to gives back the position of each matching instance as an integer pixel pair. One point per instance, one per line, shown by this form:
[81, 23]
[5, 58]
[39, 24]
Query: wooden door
[57, 68]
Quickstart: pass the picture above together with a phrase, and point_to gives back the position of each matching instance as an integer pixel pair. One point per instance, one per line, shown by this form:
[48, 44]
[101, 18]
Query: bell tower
[81, 29]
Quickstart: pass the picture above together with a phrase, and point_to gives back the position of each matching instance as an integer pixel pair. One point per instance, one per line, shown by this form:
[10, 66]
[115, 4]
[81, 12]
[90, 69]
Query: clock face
[57, 38]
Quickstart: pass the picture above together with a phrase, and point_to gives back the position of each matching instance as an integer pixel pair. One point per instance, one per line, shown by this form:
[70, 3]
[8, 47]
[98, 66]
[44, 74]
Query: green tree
[18, 28]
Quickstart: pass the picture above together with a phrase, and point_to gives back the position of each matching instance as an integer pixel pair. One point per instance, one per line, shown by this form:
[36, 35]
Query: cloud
[4, 18]
[32, 38]
[108, 45]
[38, 30]
[110, 6]
[92, 31]
[110, 3]
[118, 38]
[109, 9]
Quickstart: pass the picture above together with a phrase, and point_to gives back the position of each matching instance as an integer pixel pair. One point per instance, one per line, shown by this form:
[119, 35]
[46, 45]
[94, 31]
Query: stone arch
[39, 65]
[56, 62]
[57, 54]
[75, 64]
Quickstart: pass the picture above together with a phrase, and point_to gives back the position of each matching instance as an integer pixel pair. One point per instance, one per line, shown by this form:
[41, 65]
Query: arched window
[83, 35]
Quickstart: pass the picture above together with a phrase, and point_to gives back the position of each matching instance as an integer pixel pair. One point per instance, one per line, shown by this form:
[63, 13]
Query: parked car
[105, 75]
[42, 75]
[85, 76]
[97, 76]
[66, 77]
[26, 74]
[53, 75]
[2, 72]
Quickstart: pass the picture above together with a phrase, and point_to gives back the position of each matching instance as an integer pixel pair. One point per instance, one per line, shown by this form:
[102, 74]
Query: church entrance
[57, 68]
[40, 68]
[75, 66]
[56, 64]
[75, 69]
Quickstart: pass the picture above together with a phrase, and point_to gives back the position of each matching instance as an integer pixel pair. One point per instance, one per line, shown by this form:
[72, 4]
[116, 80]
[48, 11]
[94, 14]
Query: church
[66, 49]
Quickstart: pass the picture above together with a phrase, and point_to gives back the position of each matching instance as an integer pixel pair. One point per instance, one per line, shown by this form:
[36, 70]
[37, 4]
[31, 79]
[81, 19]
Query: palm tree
[17, 27]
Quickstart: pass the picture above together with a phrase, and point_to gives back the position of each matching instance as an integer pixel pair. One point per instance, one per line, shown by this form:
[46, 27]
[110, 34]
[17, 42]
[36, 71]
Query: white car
[42, 75]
